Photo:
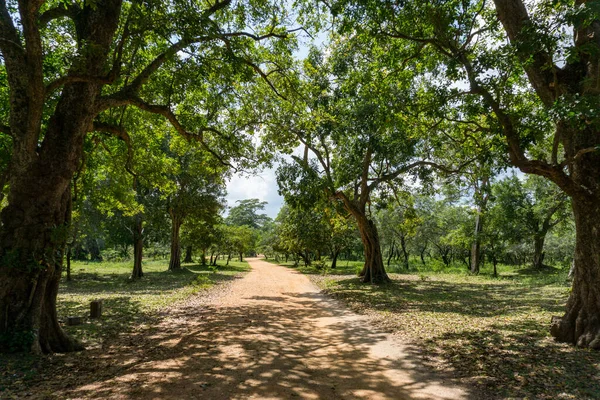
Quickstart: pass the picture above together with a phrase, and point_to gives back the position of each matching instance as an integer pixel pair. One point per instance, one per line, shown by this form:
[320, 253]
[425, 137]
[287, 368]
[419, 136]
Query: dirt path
[272, 335]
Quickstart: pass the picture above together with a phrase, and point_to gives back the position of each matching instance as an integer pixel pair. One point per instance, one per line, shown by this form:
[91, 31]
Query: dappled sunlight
[289, 341]
[494, 336]
[128, 305]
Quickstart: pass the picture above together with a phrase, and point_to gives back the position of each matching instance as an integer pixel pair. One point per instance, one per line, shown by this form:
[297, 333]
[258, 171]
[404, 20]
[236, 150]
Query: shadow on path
[273, 336]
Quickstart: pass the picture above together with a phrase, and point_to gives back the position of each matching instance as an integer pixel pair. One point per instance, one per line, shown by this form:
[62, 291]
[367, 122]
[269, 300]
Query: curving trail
[272, 335]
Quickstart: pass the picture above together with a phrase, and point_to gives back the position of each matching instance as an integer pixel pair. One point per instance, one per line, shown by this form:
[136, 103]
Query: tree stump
[555, 324]
[71, 321]
[96, 309]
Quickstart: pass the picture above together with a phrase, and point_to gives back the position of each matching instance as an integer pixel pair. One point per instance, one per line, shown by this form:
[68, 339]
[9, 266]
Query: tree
[197, 189]
[398, 221]
[117, 53]
[241, 239]
[534, 66]
[342, 232]
[246, 213]
[361, 137]
[303, 232]
[267, 241]
[537, 205]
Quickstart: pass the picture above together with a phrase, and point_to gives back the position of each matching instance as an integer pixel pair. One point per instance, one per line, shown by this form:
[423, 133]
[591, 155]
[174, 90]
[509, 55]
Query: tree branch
[577, 156]
[420, 163]
[65, 80]
[55, 13]
[166, 112]
[539, 66]
[121, 133]
[9, 37]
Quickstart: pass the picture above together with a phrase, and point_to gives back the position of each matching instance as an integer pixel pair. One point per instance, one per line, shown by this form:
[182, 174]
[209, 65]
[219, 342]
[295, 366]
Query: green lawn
[129, 303]
[492, 332]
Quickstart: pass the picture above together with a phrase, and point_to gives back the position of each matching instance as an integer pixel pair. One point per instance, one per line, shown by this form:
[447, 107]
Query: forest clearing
[452, 337]
[421, 178]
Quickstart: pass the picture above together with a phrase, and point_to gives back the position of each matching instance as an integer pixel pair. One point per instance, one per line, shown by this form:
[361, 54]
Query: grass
[342, 268]
[493, 333]
[127, 305]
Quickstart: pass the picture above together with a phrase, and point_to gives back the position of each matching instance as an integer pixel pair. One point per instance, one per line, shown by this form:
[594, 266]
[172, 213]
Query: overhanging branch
[166, 112]
[65, 80]
[55, 13]
[420, 163]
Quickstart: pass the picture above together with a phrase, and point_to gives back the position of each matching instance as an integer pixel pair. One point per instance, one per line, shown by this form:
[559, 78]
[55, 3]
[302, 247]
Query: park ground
[224, 332]
[492, 333]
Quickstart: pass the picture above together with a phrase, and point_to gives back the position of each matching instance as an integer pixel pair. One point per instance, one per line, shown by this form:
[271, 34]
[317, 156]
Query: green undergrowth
[491, 333]
[126, 302]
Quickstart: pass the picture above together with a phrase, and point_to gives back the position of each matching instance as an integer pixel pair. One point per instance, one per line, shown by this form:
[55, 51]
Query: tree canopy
[121, 121]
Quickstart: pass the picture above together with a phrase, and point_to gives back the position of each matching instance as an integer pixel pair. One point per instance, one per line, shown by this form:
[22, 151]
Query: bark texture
[34, 223]
[373, 270]
[581, 323]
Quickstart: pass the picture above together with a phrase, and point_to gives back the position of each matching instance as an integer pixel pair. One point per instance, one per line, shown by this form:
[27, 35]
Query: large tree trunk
[188, 255]
[34, 223]
[581, 323]
[138, 246]
[175, 261]
[373, 270]
[33, 239]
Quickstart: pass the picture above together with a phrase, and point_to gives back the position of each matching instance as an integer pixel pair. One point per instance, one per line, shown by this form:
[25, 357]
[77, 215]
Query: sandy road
[272, 335]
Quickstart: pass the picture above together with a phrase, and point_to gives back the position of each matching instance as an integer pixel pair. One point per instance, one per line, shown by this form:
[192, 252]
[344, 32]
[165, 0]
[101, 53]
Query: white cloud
[262, 186]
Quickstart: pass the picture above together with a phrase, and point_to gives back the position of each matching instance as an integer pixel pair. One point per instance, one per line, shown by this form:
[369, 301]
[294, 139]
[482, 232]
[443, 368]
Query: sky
[262, 186]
